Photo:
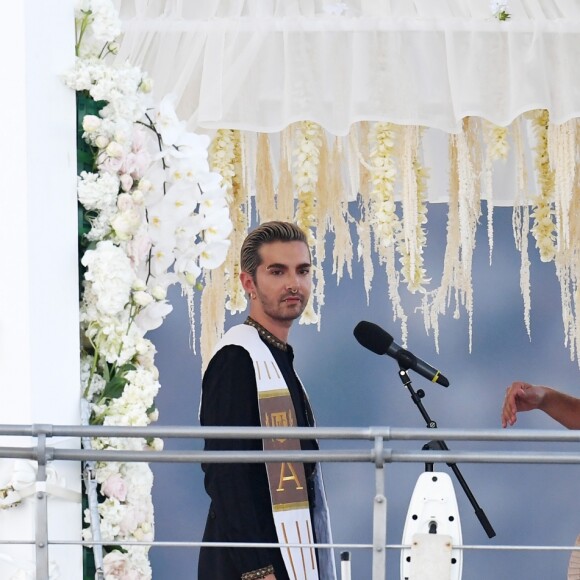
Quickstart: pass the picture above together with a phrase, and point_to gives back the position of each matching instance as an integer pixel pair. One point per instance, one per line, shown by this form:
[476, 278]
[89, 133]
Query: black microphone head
[373, 337]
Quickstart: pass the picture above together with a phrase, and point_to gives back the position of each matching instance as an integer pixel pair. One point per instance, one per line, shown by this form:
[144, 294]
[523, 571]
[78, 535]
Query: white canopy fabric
[261, 65]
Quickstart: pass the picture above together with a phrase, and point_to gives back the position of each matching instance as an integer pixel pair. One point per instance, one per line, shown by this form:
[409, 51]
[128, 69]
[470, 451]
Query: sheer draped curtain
[321, 102]
[261, 65]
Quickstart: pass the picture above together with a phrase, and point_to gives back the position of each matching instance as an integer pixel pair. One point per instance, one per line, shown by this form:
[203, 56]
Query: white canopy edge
[262, 65]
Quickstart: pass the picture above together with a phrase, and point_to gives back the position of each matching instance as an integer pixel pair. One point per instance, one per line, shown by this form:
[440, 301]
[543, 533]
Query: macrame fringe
[265, 198]
[285, 192]
[212, 313]
[311, 182]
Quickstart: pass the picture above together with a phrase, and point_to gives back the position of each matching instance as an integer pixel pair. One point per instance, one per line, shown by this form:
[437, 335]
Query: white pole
[39, 345]
[345, 570]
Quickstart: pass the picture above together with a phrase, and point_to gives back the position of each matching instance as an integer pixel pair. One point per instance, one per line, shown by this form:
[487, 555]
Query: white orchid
[157, 216]
[167, 123]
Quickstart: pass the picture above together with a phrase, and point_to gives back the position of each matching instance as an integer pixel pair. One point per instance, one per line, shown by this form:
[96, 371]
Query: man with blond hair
[250, 381]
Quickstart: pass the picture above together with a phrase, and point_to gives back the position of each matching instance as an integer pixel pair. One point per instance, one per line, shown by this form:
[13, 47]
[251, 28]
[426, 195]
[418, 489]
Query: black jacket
[241, 509]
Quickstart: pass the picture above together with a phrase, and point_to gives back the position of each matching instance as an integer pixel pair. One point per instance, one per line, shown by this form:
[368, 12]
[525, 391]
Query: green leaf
[117, 381]
[114, 388]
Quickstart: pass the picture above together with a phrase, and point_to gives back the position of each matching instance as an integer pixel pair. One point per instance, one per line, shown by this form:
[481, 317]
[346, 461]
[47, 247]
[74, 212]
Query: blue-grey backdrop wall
[350, 386]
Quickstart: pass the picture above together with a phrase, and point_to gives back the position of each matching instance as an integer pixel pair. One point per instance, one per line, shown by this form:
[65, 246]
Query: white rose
[124, 200]
[101, 141]
[139, 285]
[145, 185]
[138, 196]
[126, 224]
[115, 150]
[91, 123]
[158, 292]
[126, 182]
[142, 298]
[146, 85]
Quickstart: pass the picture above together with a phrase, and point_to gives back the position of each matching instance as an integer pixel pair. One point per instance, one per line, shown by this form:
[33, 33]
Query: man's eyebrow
[285, 267]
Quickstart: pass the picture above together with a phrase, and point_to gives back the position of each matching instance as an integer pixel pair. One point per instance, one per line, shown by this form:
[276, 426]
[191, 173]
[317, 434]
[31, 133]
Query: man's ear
[247, 282]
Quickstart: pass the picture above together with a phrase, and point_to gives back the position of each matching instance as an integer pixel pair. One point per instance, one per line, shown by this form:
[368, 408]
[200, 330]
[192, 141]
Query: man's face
[282, 283]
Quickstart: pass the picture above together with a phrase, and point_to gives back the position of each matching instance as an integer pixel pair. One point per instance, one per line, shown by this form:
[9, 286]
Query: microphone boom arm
[416, 397]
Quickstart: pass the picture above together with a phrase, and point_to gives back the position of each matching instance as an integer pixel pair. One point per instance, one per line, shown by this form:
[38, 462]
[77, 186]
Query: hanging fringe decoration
[285, 192]
[543, 228]
[324, 201]
[212, 314]
[385, 222]
[338, 208]
[454, 280]
[521, 223]
[496, 148]
[561, 149]
[365, 246]
[306, 160]
[240, 212]
[299, 176]
[265, 198]
[225, 289]
[414, 237]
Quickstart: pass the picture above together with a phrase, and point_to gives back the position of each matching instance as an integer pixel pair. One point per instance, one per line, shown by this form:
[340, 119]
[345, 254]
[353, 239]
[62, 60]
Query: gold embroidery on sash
[279, 419]
[301, 549]
[293, 477]
[311, 549]
[289, 551]
[267, 371]
[275, 367]
[258, 370]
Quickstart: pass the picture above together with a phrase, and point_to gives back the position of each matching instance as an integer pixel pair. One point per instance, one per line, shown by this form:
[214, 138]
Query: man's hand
[519, 397]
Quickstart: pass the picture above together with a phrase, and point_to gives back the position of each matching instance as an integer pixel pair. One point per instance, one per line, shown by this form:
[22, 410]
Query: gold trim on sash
[273, 393]
[281, 507]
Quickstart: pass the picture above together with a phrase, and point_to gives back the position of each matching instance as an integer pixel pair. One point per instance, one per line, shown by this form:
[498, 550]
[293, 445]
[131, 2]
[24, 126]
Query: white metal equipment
[432, 528]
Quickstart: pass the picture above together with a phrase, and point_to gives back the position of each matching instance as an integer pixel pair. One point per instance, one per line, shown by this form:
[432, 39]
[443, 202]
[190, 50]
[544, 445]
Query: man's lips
[292, 298]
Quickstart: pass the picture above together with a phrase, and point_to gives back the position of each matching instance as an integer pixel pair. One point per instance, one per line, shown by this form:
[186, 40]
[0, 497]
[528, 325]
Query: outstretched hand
[519, 397]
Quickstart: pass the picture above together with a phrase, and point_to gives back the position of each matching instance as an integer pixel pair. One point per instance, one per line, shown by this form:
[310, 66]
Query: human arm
[521, 396]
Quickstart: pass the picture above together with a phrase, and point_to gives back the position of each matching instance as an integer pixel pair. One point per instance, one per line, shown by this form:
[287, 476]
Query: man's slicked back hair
[267, 233]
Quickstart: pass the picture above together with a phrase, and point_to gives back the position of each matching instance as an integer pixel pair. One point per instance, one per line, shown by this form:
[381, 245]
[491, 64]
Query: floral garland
[225, 159]
[306, 159]
[154, 215]
[497, 147]
[413, 238]
[385, 222]
[305, 164]
[543, 227]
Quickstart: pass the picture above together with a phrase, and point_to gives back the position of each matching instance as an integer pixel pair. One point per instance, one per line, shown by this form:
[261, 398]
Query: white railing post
[379, 514]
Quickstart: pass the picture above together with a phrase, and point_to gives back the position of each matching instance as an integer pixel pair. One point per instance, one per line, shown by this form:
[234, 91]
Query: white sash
[287, 481]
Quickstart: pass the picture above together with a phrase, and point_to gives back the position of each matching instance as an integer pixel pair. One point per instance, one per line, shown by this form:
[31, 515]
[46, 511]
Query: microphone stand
[441, 445]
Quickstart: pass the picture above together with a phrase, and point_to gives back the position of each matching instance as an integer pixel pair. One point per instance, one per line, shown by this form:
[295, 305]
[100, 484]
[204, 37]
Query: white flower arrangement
[155, 215]
[385, 222]
[306, 157]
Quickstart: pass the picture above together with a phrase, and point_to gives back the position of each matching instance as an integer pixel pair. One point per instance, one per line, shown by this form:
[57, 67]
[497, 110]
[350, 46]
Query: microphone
[379, 341]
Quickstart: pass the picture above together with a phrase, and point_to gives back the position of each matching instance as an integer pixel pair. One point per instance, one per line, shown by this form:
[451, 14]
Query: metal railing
[377, 453]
